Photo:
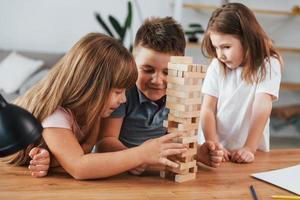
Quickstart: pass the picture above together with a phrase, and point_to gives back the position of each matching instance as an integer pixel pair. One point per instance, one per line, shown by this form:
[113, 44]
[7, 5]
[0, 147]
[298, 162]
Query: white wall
[55, 25]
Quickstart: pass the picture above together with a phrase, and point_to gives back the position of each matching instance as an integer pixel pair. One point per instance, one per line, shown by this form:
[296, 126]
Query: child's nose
[158, 79]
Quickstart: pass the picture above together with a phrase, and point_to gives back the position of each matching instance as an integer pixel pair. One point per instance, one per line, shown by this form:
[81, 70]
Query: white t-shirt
[235, 100]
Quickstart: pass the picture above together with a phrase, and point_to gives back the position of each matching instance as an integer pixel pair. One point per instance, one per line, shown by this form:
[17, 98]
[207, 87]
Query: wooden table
[230, 181]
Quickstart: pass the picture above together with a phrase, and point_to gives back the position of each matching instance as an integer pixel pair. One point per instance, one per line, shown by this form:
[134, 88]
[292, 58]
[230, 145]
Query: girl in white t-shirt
[241, 82]
[86, 85]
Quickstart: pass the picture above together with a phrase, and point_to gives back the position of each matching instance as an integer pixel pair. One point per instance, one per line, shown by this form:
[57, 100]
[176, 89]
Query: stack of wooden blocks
[184, 102]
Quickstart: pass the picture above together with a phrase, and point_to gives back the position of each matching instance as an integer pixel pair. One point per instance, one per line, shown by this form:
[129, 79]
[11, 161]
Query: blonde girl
[86, 85]
[242, 81]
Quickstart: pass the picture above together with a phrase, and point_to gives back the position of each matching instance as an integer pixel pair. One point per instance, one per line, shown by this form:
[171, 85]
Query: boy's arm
[261, 111]
[208, 118]
[109, 134]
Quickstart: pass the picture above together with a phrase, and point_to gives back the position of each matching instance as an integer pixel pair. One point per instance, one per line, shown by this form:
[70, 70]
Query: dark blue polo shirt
[143, 118]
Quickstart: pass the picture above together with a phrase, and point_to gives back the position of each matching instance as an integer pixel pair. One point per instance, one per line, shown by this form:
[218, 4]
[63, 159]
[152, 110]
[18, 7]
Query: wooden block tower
[184, 101]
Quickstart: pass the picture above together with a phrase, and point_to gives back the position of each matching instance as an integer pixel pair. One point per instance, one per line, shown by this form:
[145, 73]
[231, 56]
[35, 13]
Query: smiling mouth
[156, 88]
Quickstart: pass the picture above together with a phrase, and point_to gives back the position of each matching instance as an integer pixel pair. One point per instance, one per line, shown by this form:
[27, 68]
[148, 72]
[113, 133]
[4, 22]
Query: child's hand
[210, 153]
[138, 170]
[155, 151]
[243, 155]
[226, 155]
[39, 165]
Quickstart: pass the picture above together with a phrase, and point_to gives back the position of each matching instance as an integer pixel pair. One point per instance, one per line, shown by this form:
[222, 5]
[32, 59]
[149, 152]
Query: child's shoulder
[61, 117]
[273, 64]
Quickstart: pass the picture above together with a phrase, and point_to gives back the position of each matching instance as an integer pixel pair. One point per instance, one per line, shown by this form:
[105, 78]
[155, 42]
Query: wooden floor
[230, 181]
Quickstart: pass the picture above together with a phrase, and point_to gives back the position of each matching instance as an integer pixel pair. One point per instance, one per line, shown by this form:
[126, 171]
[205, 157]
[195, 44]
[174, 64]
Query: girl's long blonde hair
[81, 82]
[238, 20]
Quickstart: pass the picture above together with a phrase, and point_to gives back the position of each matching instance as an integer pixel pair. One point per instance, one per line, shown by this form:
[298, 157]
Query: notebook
[286, 178]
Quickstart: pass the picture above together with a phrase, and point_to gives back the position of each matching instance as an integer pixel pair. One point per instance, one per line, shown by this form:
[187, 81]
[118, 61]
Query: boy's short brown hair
[162, 35]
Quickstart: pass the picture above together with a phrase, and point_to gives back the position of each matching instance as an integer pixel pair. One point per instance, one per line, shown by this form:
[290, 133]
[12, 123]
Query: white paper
[287, 178]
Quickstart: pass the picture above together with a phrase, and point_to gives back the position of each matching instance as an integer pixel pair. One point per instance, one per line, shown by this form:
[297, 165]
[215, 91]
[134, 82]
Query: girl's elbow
[79, 174]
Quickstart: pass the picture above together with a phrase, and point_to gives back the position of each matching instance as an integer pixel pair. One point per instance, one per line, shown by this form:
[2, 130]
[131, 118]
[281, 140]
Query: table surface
[230, 181]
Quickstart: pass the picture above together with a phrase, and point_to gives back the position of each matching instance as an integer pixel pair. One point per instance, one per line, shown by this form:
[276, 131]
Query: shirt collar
[143, 98]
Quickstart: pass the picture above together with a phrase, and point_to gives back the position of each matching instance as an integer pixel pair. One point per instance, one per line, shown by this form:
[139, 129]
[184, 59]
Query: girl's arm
[109, 132]
[66, 149]
[261, 111]
[208, 118]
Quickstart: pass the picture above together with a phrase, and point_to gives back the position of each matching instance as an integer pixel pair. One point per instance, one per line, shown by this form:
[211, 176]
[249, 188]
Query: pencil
[285, 197]
[252, 190]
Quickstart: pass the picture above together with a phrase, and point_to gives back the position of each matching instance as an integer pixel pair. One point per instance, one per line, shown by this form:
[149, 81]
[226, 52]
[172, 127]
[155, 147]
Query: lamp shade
[18, 128]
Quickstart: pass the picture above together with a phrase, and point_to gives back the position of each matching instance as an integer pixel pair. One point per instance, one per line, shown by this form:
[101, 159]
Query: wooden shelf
[281, 49]
[290, 86]
[295, 11]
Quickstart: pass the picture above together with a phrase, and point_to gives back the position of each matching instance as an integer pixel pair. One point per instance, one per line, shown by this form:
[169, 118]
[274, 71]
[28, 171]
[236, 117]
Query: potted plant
[121, 30]
[195, 29]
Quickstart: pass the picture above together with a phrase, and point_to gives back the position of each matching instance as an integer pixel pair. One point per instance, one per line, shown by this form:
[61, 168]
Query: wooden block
[180, 67]
[181, 127]
[184, 101]
[181, 59]
[192, 169]
[189, 88]
[204, 68]
[183, 158]
[186, 140]
[179, 178]
[193, 75]
[185, 177]
[183, 93]
[184, 132]
[184, 81]
[182, 107]
[183, 120]
[193, 145]
[177, 113]
[172, 72]
[189, 153]
[175, 127]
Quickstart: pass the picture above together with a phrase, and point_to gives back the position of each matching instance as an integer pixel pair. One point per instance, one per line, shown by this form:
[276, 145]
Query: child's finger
[169, 137]
[43, 154]
[216, 159]
[45, 161]
[211, 146]
[39, 174]
[219, 146]
[249, 158]
[168, 162]
[215, 164]
[36, 168]
[33, 152]
[226, 156]
[174, 146]
[216, 153]
[169, 152]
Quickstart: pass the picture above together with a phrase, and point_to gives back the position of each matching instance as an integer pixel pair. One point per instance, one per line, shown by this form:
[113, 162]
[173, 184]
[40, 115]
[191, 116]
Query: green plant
[194, 30]
[119, 29]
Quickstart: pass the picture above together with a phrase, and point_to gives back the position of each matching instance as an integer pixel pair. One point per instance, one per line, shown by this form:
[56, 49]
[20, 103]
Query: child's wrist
[250, 148]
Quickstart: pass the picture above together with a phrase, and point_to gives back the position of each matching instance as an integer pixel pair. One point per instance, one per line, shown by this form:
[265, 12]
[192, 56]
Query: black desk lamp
[18, 128]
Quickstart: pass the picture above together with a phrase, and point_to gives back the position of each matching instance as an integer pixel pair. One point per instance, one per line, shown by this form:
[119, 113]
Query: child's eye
[148, 71]
[118, 91]
[165, 72]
